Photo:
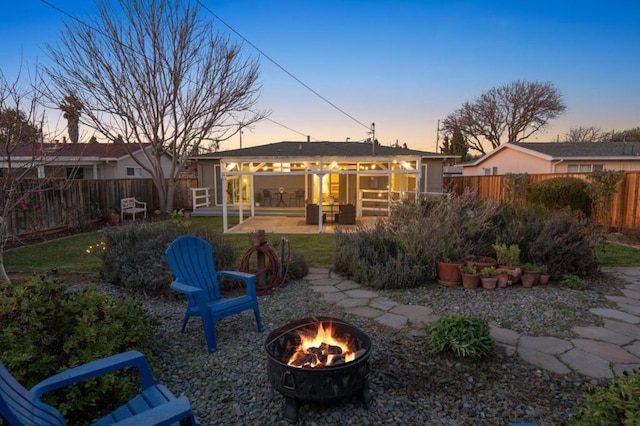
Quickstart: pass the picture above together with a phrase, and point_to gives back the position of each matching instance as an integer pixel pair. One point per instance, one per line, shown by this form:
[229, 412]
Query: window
[495, 171]
[584, 168]
[75, 173]
[134, 171]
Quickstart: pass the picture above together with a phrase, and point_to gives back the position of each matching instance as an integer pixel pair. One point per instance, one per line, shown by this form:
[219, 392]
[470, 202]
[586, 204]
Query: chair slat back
[17, 406]
[191, 261]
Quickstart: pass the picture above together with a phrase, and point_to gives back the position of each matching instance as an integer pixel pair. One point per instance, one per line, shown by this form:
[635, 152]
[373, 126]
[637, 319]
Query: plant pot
[514, 271]
[503, 279]
[489, 282]
[543, 279]
[449, 272]
[527, 280]
[114, 218]
[483, 262]
[470, 281]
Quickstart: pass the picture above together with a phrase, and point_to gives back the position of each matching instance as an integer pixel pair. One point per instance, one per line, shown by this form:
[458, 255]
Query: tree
[154, 72]
[509, 113]
[21, 152]
[456, 145]
[71, 111]
[629, 135]
[584, 134]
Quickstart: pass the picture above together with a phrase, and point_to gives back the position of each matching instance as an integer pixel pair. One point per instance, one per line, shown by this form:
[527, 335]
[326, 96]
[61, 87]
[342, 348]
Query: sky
[401, 64]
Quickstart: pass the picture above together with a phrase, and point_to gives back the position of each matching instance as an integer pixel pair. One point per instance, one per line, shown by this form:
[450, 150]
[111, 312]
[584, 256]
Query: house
[286, 175]
[81, 160]
[556, 157]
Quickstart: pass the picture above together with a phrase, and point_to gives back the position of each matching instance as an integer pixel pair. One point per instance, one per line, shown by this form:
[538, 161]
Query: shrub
[520, 225]
[566, 244]
[617, 404]
[561, 192]
[47, 329]
[135, 255]
[463, 335]
[573, 282]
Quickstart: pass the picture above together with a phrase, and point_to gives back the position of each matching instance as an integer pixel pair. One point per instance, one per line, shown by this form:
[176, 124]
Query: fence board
[624, 208]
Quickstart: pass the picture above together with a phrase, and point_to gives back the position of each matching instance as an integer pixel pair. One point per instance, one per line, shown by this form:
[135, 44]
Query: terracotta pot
[543, 279]
[527, 280]
[483, 262]
[514, 272]
[470, 281]
[489, 282]
[449, 272]
[503, 278]
[114, 218]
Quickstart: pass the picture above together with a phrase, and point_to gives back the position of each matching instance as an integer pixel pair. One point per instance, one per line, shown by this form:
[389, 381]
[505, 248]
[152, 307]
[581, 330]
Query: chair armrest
[165, 414]
[142, 203]
[97, 368]
[185, 289]
[249, 279]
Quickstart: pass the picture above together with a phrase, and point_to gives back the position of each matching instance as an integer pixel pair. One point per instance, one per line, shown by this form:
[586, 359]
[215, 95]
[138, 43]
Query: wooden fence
[624, 208]
[77, 204]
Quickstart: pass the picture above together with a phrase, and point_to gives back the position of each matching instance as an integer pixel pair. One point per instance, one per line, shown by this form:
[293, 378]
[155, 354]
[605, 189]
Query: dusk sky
[400, 64]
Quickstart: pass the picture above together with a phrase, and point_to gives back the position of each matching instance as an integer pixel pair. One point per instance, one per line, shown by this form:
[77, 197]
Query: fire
[321, 349]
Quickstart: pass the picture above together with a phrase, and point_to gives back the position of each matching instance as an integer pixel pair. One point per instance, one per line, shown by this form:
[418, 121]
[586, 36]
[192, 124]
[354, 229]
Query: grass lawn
[69, 255]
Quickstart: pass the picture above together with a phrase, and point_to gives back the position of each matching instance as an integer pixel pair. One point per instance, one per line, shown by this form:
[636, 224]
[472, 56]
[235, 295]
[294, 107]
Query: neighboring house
[81, 160]
[556, 157]
[296, 174]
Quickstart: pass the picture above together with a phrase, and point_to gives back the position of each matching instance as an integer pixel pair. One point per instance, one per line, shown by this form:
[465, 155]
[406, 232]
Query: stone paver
[587, 364]
[615, 314]
[599, 352]
[608, 351]
[602, 333]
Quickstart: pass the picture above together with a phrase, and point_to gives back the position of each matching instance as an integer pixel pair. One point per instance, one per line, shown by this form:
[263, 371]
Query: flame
[320, 349]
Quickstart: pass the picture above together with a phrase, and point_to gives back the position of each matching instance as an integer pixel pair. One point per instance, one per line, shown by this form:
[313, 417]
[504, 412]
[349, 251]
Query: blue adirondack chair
[154, 405]
[191, 261]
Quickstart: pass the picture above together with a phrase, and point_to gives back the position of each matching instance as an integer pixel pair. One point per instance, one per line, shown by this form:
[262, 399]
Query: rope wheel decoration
[265, 265]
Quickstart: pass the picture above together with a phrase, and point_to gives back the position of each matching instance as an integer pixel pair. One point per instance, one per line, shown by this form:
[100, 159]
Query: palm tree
[71, 108]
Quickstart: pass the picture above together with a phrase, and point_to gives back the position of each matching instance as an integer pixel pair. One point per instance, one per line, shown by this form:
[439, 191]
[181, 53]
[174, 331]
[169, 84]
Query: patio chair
[154, 405]
[346, 214]
[191, 261]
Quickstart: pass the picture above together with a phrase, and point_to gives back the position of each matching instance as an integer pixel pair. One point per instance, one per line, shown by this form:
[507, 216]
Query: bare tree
[71, 111]
[585, 134]
[155, 72]
[21, 152]
[509, 113]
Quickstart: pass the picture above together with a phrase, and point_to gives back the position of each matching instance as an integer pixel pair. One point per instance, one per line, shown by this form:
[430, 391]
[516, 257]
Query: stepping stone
[548, 345]
[625, 328]
[631, 293]
[383, 303]
[602, 333]
[326, 289]
[608, 351]
[333, 297]
[630, 309]
[319, 271]
[620, 369]
[633, 348]
[587, 364]
[393, 320]
[504, 335]
[351, 303]
[624, 299]
[542, 360]
[365, 311]
[365, 294]
[615, 314]
[325, 281]
[348, 285]
[635, 286]
[418, 316]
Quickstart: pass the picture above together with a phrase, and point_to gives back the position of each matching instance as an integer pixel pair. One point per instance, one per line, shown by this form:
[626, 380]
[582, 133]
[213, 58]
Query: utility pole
[437, 135]
[373, 138]
[240, 130]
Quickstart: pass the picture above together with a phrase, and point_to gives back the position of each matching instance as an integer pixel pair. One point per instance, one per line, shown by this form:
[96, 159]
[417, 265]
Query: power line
[281, 67]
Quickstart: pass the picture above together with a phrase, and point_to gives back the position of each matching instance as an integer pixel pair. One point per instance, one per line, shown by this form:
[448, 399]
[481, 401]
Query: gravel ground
[408, 384]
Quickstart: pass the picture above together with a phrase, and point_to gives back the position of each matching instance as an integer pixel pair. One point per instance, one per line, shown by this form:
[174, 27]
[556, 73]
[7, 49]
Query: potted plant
[527, 279]
[114, 215]
[531, 269]
[545, 276]
[502, 276]
[508, 257]
[488, 276]
[470, 275]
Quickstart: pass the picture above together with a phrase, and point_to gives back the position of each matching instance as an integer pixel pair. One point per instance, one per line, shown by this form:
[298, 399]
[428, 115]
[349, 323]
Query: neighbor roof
[320, 149]
[99, 150]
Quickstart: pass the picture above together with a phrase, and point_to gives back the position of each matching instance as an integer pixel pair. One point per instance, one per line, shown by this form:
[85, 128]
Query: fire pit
[320, 359]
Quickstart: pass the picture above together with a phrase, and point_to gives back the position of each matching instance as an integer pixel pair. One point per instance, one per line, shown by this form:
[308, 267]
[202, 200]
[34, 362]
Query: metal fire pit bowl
[318, 385]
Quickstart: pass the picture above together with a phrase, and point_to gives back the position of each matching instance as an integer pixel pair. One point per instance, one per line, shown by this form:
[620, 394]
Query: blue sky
[401, 64]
